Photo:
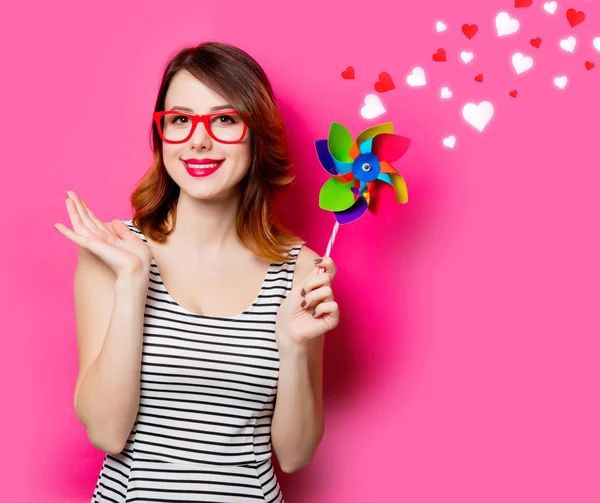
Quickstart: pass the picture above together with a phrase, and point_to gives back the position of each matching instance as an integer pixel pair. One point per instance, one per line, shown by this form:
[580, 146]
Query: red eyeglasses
[178, 127]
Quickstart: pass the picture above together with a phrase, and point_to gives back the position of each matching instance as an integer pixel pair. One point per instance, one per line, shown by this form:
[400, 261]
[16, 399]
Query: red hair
[237, 77]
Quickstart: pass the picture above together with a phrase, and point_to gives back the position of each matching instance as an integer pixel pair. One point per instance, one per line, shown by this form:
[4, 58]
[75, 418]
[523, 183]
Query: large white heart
[521, 63]
[550, 7]
[373, 107]
[439, 26]
[568, 44]
[560, 82]
[449, 141]
[505, 25]
[597, 43]
[416, 78]
[478, 115]
[466, 56]
[446, 93]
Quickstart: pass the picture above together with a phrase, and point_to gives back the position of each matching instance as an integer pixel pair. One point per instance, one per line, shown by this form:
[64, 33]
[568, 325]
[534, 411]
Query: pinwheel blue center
[366, 167]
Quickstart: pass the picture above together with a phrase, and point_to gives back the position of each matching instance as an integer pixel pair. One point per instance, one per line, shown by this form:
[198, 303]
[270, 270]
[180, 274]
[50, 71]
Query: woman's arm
[109, 314]
[298, 420]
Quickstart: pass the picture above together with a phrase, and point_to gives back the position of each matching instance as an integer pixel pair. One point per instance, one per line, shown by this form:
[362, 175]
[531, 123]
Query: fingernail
[318, 260]
[303, 303]
[303, 293]
[314, 312]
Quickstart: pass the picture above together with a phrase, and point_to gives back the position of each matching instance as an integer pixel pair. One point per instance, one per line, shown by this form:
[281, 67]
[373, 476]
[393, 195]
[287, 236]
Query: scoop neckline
[187, 312]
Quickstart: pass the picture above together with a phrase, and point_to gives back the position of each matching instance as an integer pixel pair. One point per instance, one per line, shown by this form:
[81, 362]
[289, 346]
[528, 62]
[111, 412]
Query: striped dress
[208, 390]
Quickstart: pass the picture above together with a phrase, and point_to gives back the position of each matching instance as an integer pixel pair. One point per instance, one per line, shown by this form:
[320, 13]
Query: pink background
[465, 367]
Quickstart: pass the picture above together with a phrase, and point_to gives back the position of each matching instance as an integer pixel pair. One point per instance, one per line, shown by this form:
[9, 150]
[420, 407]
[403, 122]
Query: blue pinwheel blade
[385, 177]
[365, 146]
[342, 167]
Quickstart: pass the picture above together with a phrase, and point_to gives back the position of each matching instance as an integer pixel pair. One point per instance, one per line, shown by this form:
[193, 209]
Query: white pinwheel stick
[330, 244]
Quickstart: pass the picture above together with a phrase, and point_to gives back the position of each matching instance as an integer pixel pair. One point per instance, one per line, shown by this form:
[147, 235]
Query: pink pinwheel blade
[383, 199]
[390, 147]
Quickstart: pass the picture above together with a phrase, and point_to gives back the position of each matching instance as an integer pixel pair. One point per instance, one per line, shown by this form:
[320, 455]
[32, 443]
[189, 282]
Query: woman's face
[192, 96]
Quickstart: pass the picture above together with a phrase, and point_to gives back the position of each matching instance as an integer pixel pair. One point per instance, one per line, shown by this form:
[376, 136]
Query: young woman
[200, 321]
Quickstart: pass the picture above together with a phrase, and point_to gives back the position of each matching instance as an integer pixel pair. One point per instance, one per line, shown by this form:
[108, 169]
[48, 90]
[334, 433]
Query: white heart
[550, 7]
[466, 56]
[373, 107]
[568, 44]
[597, 43]
[505, 25]
[478, 115]
[416, 78]
[560, 82]
[446, 93]
[449, 141]
[521, 63]
[439, 26]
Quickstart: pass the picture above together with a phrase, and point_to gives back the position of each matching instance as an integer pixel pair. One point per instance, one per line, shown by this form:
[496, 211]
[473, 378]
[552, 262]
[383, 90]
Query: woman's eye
[225, 118]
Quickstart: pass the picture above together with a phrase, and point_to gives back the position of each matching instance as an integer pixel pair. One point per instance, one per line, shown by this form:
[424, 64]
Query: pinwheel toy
[358, 168]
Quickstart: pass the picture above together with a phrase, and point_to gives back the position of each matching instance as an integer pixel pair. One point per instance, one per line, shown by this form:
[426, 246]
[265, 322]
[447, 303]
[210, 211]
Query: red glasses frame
[157, 117]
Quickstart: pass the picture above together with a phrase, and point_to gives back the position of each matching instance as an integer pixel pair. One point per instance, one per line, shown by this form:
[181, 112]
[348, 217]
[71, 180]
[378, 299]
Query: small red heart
[469, 30]
[440, 55]
[536, 42]
[479, 78]
[523, 3]
[513, 93]
[575, 17]
[348, 73]
[589, 65]
[385, 83]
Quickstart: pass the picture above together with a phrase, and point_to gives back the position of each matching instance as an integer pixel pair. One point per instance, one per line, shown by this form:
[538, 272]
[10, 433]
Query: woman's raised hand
[115, 244]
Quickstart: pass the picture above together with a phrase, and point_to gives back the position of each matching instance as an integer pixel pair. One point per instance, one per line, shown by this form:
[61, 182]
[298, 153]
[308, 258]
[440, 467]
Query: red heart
[575, 17]
[385, 83]
[469, 30]
[589, 65]
[513, 93]
[440, 55]
[536, 42]
[348, 73]
[523, 3]
[479, 78]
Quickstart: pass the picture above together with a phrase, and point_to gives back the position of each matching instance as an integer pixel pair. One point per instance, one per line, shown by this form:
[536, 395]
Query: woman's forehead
[187, 91]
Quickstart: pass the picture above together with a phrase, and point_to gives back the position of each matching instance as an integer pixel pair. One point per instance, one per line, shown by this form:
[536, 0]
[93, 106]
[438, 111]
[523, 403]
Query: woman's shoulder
[305, 262]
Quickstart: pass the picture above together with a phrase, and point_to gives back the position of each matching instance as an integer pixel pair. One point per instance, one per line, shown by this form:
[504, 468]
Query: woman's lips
[198, 171]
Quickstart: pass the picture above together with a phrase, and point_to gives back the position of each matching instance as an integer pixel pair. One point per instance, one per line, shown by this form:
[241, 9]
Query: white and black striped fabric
[208, 390]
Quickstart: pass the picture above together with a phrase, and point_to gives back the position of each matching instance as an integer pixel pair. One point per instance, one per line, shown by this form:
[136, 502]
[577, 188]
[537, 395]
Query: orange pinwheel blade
[354, 151]
[386, 167]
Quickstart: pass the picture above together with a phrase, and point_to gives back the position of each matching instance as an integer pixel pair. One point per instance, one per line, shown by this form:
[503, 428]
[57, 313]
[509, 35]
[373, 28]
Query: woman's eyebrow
[213, 109]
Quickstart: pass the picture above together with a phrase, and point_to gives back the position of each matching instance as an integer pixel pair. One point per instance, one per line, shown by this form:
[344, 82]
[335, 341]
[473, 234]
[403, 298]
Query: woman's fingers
[119, 260]
[314, 298]
[327, 265]
[101, 227]
[329, 312]
[83, 215]
[77, 238]
[75, 217]
[314, 282]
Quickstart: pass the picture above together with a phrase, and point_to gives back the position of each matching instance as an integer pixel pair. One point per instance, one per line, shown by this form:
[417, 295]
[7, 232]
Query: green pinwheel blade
[336, 196]
[340, 142]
